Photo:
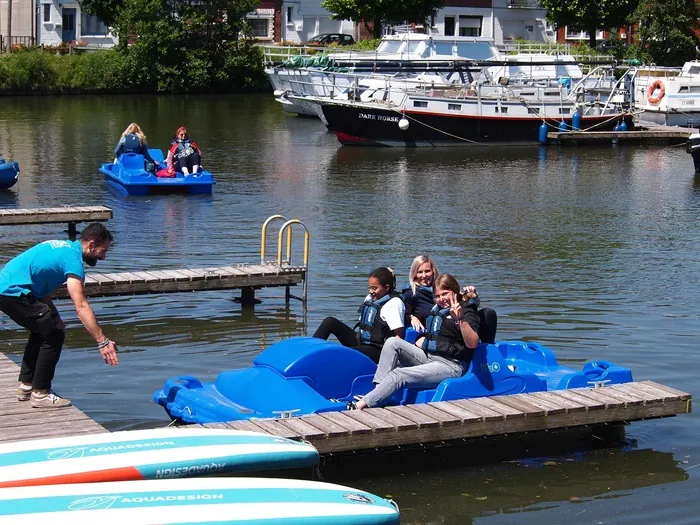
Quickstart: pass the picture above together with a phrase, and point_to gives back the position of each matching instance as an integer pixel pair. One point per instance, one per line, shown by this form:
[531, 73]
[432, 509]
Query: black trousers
[347, 337]
[187, 162]
[45, 340]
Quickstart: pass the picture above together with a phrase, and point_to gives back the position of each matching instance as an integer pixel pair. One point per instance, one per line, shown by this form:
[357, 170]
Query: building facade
[59, 22]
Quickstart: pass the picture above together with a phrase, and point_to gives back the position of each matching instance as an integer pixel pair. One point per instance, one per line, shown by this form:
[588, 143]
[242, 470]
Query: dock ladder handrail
[287, 226]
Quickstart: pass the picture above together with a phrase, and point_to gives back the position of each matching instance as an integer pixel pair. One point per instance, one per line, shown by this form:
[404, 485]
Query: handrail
[288, 226]
[263, 243]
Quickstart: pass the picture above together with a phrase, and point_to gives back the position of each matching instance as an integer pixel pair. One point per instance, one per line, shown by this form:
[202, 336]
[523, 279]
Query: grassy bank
[108, 71]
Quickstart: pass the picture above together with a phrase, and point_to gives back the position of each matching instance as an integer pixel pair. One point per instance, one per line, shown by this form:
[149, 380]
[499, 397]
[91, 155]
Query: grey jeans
[403, 364]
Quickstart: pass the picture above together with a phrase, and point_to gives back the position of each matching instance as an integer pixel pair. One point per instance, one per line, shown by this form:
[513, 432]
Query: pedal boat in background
[9, 174]
[307, 375]
[130, 173]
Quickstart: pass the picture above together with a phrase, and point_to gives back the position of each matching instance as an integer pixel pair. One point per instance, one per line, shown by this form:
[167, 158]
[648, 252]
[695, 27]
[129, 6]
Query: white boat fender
[278, 92]
[403, 124]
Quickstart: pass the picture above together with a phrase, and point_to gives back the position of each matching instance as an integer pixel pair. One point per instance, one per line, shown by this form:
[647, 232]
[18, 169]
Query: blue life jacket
[372, 329]
[184, 149]
[132, 144]
[432, 328]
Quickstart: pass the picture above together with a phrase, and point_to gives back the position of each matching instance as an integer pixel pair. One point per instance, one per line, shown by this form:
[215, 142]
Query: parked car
[331, 38]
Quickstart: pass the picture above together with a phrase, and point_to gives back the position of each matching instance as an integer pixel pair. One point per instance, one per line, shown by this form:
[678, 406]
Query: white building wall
[308, 19]
[50, 33]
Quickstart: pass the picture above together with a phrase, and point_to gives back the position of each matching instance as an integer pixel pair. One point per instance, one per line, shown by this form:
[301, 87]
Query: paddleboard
[147, 454]
[207, 501]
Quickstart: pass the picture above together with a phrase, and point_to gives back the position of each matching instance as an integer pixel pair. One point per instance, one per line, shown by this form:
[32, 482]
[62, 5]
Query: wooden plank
[599, 395]
[464, 415]
[117, 278]
[560, 401]
[588, 402]
[162, 276]
[364, 417]
[353, 426]
[545, 405]
[522, 405]
[101, 278]
[486, 414]
[632, 390]
[408, 412]
[329, 427]
[681, 395]
[442, 417]
[399, 422]
[622, 396]
[271, 426]
[492, 404]
[663, 395]
[246, 425]
[302, 428]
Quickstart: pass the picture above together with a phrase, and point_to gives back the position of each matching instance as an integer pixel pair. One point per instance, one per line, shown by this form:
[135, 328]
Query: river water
[591, 251]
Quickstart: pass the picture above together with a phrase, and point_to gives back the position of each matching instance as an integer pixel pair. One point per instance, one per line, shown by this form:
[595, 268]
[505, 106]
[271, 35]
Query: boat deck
[334, 432]
[648, 134]
[19, 421]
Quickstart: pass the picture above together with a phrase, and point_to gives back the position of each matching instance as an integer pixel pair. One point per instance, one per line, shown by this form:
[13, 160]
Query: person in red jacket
[184, 155]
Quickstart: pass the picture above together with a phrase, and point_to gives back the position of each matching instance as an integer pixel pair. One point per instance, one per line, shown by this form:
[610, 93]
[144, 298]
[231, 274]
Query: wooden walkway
[19, 421]
[247, 278]
[68, 214]
[647, 135]
[334, 432]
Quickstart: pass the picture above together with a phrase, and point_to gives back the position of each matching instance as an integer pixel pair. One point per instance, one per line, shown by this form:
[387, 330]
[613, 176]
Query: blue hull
[129, 173]
[9, 174]
[306, 375]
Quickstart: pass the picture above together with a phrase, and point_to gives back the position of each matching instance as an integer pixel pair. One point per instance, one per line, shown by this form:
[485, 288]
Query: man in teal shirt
[26, 285]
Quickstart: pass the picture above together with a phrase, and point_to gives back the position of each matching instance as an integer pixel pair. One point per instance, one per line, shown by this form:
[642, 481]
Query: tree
[590, 15]
[666, 30]
[376, 13]
[182, 45]
[106, 10]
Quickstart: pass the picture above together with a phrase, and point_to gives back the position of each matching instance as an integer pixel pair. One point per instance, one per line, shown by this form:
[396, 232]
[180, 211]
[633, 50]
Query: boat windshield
[389, 46]
[473, 50]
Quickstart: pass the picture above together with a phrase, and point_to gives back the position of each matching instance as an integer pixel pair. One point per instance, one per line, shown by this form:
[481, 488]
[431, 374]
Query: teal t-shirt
[42, 268]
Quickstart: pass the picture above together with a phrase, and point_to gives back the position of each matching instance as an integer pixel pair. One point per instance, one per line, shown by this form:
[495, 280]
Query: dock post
[248, 296]
[72, 231]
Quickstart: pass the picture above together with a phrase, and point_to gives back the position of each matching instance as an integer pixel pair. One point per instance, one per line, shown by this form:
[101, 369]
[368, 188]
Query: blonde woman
[418, 294]
[133, 141]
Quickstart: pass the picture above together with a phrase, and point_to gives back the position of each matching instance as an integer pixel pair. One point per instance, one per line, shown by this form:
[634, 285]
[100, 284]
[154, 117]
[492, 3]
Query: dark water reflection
[593, 252]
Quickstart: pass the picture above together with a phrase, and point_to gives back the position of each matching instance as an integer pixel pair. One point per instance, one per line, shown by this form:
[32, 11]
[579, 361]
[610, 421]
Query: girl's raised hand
[455, 307]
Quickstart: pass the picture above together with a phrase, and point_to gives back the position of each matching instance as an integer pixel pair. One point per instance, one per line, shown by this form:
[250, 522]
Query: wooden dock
[643, 135]
[246, 278]
[336, 432]
[19, 421]
[65, 214]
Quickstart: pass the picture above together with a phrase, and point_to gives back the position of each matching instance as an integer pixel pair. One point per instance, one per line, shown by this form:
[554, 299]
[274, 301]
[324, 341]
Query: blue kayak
[9, 173]
[130, 172]
[307, 375]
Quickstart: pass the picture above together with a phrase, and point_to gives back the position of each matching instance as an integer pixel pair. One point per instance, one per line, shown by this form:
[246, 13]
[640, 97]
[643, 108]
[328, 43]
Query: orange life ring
[656, 98]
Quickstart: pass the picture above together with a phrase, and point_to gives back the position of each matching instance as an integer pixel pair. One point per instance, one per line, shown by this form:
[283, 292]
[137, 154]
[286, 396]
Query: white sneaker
[49, 400]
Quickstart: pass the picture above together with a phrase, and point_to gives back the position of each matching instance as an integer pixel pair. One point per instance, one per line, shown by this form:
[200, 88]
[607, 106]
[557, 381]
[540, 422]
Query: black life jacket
[421, 302]
[433, 342]
[132, 144]
[372, 329]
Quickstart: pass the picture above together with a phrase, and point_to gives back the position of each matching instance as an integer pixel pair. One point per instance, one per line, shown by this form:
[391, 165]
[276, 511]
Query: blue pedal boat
[307, 375]
[130, 173]
[9, 174]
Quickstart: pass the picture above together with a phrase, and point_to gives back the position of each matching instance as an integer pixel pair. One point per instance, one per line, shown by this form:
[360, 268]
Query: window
[470, 25]
[449, 26]
[90, 25]
[454, 107]
[260, 27]
[529, 28]
[564, 111]
[533, 111]
[289, 15]
[502, 110]
[419, 104]
[581, 35]
[47, 12]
